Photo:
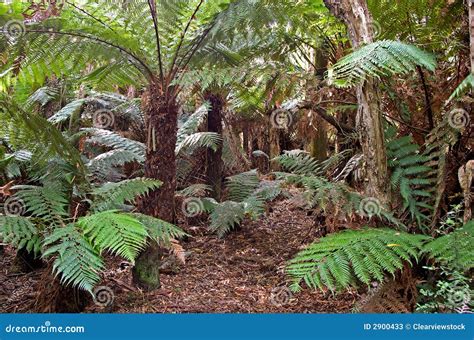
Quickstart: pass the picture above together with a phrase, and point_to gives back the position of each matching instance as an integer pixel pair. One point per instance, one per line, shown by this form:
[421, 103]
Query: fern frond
[379, 59]
[115, 141]
[71, 109]
[226, 216]
[341, 260]
[299, 162]
[242, 185]
[210, 140]
[466, 85]
[112, 195]
[20, 232]
[121, 234]
[78, 263]
[101, 165]
[195, 190]
[455, 249]
[50, 203]
[159, 230]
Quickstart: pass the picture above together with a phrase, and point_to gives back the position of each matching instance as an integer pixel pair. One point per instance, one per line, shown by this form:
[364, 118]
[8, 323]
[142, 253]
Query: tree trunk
[319, 142]
[356, 16]
[471, 33]
[319, 139]
[161, 122]
[214, 158]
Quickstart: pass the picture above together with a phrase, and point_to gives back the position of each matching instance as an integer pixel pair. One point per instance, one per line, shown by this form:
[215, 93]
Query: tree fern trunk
[214, 158]
[319, 138]
[161, 125]
[356, 16]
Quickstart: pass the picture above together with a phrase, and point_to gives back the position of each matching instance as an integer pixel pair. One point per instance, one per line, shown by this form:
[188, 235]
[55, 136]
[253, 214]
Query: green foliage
[410, 176]
[158, 230]
[299, 163]
[379, 59]
[241, 186]
[77, 261]
[49, 203]
[341, 260]
[210, 140]
[226, 216]
[451, 292]
[20, 232]
[121, 234]
[455, 249]
[113, 195]
[466, 85]
[114, 140]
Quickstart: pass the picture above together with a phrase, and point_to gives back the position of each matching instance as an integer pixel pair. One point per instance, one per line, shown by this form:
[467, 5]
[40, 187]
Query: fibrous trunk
[214, 158]
[161, 125]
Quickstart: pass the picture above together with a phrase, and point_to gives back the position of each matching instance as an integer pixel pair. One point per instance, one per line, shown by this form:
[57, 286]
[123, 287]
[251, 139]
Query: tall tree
[356, 16]
[149, 44]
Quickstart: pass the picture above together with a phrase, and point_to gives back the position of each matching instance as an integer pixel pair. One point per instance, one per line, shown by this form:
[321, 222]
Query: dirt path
[240, 273]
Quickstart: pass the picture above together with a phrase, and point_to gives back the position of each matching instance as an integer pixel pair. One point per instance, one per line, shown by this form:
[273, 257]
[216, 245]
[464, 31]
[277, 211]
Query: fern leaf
[340, 260]
[112, 195]
[77, 261]
[121, 234]
[379, 59]
[241, 186]
[159, 230]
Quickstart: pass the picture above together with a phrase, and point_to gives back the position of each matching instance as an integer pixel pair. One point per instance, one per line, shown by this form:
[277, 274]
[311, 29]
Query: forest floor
[242, 273]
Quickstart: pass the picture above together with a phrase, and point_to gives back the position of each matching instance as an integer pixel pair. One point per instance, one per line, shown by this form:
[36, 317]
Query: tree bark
[319, 140]
[214, 158]
[356, 16]
[161, 122]
[471, 32]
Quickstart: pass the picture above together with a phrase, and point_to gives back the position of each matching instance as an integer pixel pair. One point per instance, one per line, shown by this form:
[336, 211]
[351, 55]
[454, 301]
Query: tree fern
[344, 259]
[378, 59]
[112, 195]
[121, 234]
[77, 261]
